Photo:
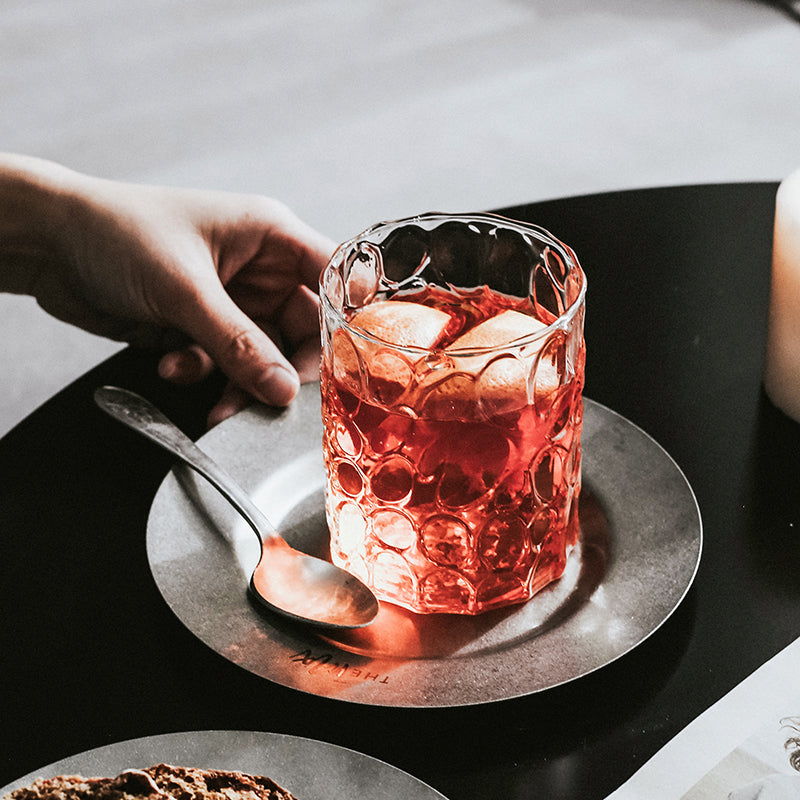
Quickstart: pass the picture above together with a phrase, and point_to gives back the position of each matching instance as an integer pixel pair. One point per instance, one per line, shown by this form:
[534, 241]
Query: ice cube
[501, 381]
[402, 323]
[386, 372]
[504, 328]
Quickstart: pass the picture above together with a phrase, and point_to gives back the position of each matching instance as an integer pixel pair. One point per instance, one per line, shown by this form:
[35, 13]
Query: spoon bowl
[296, 585]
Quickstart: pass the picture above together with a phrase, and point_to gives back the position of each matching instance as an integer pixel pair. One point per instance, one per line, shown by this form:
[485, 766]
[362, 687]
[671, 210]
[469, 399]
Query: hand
[212, 277]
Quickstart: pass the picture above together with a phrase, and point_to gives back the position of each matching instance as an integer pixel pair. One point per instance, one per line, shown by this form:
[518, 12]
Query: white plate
[309, 769]
[638, 552]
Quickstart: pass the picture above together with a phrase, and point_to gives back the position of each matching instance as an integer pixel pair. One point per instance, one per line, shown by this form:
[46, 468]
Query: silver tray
[309, 769]
[637, 555]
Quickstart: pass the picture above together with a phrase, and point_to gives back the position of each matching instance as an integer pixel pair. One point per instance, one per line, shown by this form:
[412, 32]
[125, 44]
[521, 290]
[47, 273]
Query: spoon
[296, 585]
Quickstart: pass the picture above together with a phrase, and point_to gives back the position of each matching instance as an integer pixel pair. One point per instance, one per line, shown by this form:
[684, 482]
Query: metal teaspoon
[296, 585]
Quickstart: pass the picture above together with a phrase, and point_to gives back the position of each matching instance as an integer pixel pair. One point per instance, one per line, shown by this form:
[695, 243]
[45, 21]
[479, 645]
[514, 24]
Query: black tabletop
[675, 328]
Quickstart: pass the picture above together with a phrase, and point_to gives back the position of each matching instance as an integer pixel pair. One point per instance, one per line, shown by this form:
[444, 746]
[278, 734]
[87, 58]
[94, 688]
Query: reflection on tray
[398, 633]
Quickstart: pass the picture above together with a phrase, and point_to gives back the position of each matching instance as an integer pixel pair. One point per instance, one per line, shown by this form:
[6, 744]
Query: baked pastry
[160, 781]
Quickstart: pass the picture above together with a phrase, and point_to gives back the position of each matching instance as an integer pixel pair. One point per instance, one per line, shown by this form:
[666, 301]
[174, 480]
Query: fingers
[306, 360]
[192, 365]
[228, 338]
[253, 362]
[299, 318]
[233, 341]
[319, 249]
[233, 401]
[311, 248]
[189, 365]
[267, 264]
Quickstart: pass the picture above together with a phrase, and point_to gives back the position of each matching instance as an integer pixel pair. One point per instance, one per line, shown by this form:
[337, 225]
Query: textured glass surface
[453, 470]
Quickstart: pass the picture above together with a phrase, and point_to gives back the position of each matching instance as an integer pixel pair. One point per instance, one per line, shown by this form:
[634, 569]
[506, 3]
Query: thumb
[242, 350]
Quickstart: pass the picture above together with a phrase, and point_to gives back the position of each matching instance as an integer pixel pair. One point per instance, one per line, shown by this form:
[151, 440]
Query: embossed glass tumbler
[452, 378]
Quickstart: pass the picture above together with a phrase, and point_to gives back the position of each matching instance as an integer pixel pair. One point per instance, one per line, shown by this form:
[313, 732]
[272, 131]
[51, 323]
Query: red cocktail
[452, 410]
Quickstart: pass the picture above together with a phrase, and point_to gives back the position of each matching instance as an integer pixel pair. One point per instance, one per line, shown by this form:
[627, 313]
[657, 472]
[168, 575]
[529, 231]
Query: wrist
[38, 199]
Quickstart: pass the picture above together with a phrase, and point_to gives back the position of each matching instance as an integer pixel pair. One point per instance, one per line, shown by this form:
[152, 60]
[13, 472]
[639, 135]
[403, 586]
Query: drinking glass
[452, 377]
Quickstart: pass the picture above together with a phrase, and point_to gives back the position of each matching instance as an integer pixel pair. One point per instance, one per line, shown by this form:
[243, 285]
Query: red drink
[452, 424]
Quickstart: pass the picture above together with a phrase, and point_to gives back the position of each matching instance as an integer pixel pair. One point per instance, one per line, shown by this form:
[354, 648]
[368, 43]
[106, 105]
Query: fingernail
[279, 386]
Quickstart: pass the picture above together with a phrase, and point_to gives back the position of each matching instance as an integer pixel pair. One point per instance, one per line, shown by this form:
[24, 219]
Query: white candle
[782, 366]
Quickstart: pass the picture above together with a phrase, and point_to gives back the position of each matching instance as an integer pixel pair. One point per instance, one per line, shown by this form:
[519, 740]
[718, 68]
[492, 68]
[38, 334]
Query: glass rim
[529, 228]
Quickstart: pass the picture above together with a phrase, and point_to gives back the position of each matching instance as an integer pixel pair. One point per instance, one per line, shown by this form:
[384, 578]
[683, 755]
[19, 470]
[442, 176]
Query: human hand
[214, 278]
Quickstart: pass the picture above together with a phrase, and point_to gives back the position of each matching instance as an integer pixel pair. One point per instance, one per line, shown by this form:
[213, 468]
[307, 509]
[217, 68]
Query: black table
[678, 291]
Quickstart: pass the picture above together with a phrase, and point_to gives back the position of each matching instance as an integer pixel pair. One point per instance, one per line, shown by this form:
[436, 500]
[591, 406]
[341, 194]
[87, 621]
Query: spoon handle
[142, 416]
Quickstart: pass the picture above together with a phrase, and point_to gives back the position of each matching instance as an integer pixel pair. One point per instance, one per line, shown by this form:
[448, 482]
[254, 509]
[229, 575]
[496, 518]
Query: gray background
[353, 111]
